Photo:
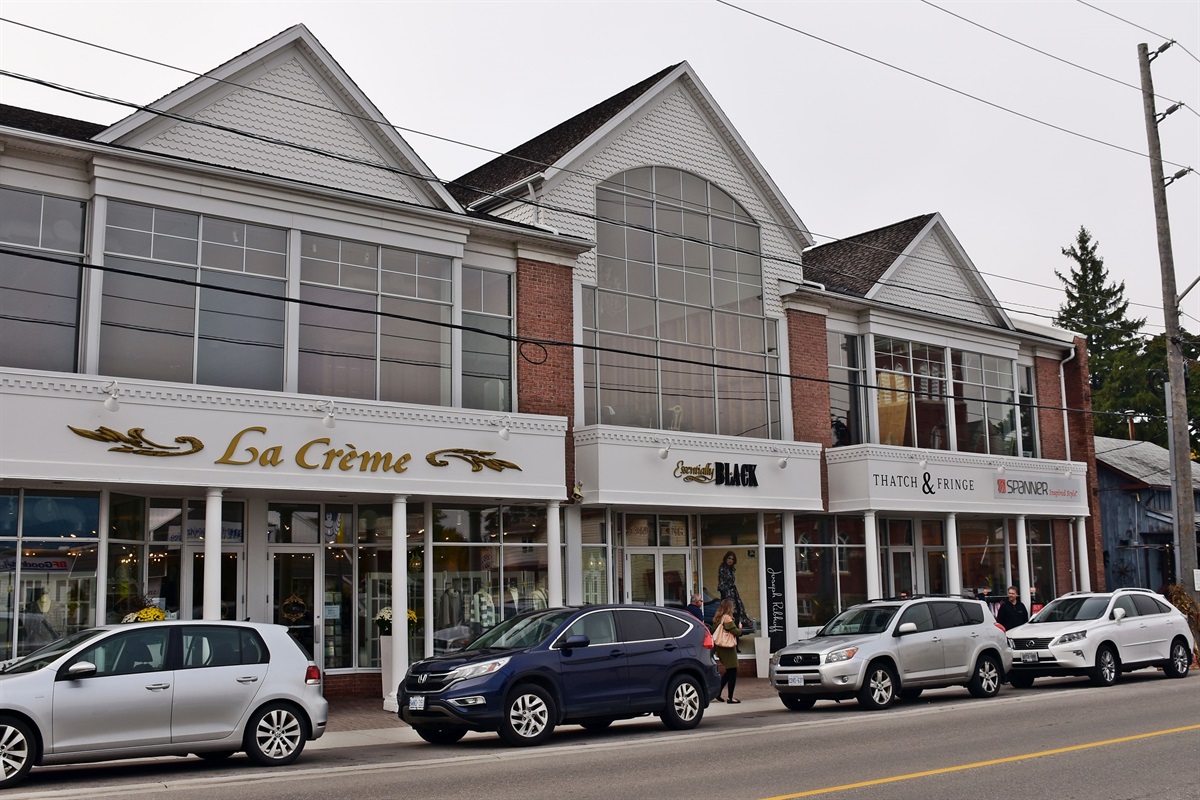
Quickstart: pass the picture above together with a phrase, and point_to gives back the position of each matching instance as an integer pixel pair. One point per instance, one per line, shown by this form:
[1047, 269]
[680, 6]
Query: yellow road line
[977, 764]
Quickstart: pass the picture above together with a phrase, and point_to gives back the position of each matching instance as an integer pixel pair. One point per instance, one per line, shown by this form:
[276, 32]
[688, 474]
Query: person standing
[1012, 612]
[727, 586]
[696, 606]
[725, 640]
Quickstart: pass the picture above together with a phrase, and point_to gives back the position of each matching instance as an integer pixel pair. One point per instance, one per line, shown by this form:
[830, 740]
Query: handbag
[722, 637]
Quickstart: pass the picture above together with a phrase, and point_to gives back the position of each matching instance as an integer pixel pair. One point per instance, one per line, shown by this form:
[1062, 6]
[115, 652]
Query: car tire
[16, 751]
[1107, 667]
[987, 677]
[879, 687]
[598, 724]
[910, 694]
[1180, 660]
[1020, 680]
[436, 735]
[275, 735]
[216, 755]
[797, 702]
[529, 716]
[685, 704]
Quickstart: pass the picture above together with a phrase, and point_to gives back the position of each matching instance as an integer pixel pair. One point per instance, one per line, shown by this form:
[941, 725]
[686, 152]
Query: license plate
[795, 680]
[416, 702]
[1029, 657]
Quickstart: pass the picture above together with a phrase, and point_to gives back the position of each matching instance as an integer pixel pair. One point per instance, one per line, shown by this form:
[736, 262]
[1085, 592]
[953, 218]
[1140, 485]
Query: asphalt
[360, 722]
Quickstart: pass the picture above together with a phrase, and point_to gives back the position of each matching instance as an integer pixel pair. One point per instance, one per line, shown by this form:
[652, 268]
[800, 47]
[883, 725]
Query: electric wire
[769, 223]
[1140, 28]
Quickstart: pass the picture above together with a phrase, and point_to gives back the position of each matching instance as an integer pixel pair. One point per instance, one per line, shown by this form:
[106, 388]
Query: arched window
[678, 339]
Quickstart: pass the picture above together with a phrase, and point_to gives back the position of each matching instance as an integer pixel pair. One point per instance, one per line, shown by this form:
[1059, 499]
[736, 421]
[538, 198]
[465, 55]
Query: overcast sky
[852, 143]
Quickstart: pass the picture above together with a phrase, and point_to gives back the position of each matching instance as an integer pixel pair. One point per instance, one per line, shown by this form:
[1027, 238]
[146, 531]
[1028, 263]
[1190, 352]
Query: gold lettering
[235, 443]
[302, 453]
[347, 461]
[372, 462]
[331, 456]
[402, 463]
[272, 456]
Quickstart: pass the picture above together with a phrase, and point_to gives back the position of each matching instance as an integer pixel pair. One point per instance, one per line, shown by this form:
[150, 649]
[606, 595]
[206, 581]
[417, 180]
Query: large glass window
[676, 319]
[39, 300]
[157, 323]
[487, 359]
[1028, 404]
[374, 322]
[830, 567]
[912, 393]
[985, 403]
[845, 390]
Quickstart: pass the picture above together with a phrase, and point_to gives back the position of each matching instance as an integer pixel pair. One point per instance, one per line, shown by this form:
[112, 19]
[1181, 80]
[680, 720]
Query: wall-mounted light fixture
[326, 408]
[112, 402]
[665, 450]
[782, 462]
[502, 424]
[1000, 468]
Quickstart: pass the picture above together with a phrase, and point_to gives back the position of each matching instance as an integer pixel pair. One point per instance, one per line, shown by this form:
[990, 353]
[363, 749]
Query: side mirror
[81, 669]
[578, 640]
[1118, 614]
[906, 628]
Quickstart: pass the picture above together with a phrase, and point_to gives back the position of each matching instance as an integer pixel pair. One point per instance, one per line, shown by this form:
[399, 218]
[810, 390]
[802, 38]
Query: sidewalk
[357, 721]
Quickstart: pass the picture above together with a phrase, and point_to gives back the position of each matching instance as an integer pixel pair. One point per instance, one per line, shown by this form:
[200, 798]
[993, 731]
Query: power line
[1139, 27]
[525, 201]
[1051, 55]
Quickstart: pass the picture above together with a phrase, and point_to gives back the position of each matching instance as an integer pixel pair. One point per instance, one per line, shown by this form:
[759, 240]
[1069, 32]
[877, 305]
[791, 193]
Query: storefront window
[831, 567]
[595, 557]
[736, 535]
[56, 590]
[982, 547]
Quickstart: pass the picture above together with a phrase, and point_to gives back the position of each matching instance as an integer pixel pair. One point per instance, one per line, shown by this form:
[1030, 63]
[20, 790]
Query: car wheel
[986, 680]
[879, 689]
[910, 694]
[598, 724]
[797, 702]
[216, 755]
[439, 735]
[16, 751]
[1181, 659]
[1020, 680]
[1106, 670]
[275, 735]
[529, 716]
[684, 708]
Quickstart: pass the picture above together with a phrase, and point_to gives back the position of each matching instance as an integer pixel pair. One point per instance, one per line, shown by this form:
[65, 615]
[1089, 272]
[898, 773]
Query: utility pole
[1177, 418]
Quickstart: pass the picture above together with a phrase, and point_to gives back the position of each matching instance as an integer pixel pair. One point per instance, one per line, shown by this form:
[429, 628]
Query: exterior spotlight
[502, 422]
[783, 463]
[504, 433]
[327, 406]
[112, 402]
[663, 452]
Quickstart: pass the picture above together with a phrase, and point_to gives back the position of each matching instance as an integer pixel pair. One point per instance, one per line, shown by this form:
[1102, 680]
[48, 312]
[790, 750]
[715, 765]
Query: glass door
[233, 599]
[293, 601]
[657, 576]
[901, 573]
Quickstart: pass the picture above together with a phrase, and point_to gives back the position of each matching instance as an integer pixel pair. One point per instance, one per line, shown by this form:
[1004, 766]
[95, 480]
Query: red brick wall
[808, 357]
[1049, 416]
[365, 684]
[546, 378]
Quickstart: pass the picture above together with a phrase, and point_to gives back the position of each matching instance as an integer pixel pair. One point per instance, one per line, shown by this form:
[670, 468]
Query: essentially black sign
[776, 617]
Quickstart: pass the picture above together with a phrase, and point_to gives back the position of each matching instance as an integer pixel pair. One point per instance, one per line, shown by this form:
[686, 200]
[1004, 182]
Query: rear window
[221, 646]
[673, 627]
[948, 615]
[639, 626]
[973, 613]
[1149, 605]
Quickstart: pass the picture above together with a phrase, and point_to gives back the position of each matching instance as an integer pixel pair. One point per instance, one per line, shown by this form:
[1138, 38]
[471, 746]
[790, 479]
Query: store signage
[36, 564]
[720, 473]
[927, 483]
[249, 448]
[776, 613]
[1038, 487]
[1010, 488]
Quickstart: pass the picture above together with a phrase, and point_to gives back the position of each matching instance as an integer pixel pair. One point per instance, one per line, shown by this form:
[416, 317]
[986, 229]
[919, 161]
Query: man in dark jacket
[1012, 612]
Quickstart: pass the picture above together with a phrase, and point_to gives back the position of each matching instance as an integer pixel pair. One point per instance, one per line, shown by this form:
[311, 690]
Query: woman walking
[727, 586]
[725, 638]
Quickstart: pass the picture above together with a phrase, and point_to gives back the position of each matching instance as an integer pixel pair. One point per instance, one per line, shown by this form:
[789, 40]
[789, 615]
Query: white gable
[286, 109]
[944, 279]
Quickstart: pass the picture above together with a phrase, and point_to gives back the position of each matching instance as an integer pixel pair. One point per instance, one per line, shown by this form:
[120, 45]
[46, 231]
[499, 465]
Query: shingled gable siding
[810, 399]
[544, 311]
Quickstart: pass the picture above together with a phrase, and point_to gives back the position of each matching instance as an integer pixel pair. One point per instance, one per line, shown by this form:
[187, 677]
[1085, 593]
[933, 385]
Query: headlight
[476, 670]
[775, 658]
[1011, 646]
[1067, 638]
[840, 655]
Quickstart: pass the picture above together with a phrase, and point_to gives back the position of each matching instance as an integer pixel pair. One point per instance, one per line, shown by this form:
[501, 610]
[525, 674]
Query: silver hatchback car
[880, 650]
[160, 688]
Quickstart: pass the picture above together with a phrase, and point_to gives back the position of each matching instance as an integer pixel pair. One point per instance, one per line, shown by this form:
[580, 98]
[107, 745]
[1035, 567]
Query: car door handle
[158, 687]
[615, 654]
[248, 679]
[670, 648]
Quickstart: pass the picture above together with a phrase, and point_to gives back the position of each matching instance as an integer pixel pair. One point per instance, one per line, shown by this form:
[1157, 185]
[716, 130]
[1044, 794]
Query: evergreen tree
[1097, 309]
[1135, 385]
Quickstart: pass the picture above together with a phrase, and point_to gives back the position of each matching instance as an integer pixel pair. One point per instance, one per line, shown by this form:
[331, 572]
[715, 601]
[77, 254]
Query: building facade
[249, 328]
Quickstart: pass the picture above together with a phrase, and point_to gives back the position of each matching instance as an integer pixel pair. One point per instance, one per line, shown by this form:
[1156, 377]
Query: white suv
[884, 649]
[1101, 635]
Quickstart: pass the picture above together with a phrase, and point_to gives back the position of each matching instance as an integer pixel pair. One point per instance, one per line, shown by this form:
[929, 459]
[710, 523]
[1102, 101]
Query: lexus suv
[882, 650]
[586, 666]
[1101, 635]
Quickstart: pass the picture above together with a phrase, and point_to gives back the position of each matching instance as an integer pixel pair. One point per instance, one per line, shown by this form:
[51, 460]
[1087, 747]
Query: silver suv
[884, 649]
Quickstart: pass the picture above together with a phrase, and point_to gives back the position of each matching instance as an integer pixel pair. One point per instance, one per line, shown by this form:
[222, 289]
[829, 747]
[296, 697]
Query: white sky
[852, 144]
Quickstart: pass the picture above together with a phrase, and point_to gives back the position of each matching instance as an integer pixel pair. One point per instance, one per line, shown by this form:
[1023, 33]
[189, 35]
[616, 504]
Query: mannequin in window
[727, 586]
[539, 597]
[511, 598]
[483, 611]
[36, 629]
[450, 606]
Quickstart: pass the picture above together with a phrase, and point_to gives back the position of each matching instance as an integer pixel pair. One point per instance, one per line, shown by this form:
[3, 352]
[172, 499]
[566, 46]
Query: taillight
[1001, 627]
[708, 642]
[312, 675]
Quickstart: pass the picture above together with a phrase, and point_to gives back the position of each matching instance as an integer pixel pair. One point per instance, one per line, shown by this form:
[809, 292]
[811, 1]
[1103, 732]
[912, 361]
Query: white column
[554, 572]
[1023, 562]
[1085, 578]
[212, 553]
[791, 625]
[874, 584]
[399, 598]
[574, 566]
[953, 560]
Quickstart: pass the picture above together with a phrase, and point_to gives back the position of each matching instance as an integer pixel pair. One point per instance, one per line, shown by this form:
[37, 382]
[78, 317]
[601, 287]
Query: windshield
[1067, 609]
[872, 619]
[521, 631]
[45, 655]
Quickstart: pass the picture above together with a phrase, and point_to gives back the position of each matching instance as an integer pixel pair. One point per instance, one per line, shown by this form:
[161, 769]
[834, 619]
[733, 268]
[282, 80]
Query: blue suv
[586, 666]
